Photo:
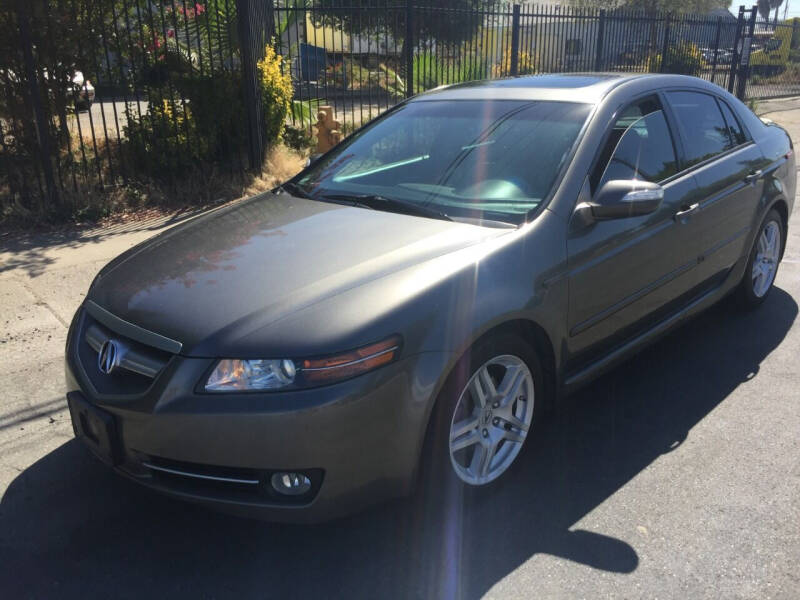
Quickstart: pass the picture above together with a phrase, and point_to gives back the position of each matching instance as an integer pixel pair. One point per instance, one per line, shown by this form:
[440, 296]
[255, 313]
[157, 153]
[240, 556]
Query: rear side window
[702, 126]
[640, 147]
[734, 128]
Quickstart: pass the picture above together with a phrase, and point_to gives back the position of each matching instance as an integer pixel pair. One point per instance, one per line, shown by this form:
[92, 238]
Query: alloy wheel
[491, 420]
[765, 264]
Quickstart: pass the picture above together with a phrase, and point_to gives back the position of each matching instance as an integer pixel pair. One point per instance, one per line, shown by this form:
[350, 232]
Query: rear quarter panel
[780, 172]
[781, 175]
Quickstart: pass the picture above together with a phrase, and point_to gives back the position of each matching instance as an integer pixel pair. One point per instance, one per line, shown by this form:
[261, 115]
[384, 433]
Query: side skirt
[588, 372]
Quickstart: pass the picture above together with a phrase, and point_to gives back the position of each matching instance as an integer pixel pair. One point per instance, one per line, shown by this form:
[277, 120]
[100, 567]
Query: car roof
[564, 87]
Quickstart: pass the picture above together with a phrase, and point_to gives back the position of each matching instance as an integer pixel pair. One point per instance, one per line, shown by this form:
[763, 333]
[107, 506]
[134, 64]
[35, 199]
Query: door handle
[753, 176]
[686, 211]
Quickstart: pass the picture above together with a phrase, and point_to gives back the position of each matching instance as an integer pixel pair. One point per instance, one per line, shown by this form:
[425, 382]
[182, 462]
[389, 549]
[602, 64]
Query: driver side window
[640, 147]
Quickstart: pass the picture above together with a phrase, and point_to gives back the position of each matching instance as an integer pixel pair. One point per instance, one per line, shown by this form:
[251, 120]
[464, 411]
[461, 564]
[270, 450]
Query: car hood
[243, 267]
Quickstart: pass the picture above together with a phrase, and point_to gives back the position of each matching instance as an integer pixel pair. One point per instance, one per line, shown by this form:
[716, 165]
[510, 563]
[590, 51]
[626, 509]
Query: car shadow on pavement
[70, 528]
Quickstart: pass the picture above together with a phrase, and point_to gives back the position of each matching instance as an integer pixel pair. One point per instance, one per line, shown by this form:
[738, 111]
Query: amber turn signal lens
[352, 363]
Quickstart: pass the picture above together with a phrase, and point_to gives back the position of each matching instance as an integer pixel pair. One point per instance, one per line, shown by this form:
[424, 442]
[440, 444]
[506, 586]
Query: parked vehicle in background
[724, 56]
[78, 89]
[83, 90]
[773, 56]
[407, 307]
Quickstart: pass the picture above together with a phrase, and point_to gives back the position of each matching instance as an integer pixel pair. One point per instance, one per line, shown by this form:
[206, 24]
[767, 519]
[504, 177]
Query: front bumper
[359, 440]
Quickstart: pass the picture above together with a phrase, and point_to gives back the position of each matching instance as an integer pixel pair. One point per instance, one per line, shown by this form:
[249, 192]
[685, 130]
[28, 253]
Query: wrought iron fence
[96, 93]
[774, 58]
[357, 62]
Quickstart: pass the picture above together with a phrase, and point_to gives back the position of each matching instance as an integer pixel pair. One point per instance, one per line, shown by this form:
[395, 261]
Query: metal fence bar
[40, 116]
[740, 24]
[514, 64]
[747, 46]
[601, 30]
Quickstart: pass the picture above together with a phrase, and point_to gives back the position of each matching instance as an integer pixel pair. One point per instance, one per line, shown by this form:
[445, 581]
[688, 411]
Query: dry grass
[281, 164]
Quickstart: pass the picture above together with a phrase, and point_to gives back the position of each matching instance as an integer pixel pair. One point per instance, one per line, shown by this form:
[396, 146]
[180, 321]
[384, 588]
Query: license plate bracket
[94, 427]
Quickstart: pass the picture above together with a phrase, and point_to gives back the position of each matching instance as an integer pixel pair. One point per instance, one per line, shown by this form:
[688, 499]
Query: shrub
[202, 122]
[217, 110]
[276, 95]
[526, 64]
[157, 142]
[431, 71]
[304, 112]
[297, 138]
[388, 80]
[196, 122]
[350, 75]
[683, 58]
[794, 22]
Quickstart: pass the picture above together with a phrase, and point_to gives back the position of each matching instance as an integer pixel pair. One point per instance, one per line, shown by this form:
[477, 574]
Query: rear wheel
[762, 265]
[484, 414]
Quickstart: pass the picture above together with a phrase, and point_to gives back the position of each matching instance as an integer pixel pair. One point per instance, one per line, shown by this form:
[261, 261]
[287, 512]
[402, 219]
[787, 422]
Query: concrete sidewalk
[674, 476]
[785, 112]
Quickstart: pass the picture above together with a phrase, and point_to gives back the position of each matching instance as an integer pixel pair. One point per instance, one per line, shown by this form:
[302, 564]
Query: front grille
[134, 368]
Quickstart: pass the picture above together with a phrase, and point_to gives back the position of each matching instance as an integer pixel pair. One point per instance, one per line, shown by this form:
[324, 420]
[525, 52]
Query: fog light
[291, 484]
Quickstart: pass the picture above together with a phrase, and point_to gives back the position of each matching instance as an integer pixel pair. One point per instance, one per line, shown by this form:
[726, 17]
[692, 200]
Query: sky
[794, 7]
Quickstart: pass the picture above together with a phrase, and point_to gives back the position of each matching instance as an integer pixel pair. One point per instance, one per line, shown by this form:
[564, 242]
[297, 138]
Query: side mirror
[622, 198]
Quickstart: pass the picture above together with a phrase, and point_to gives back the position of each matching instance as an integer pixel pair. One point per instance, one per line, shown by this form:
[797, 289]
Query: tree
[369, 16]
[776, 4]
[677, 6]
[765, 7]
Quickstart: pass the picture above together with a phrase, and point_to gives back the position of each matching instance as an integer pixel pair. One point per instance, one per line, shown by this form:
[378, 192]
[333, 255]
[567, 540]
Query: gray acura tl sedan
[401, 313]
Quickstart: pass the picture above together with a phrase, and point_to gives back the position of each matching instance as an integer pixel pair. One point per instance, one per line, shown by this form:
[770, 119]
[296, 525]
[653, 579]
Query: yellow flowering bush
[164, 141]
[525, 64]
[276, 94]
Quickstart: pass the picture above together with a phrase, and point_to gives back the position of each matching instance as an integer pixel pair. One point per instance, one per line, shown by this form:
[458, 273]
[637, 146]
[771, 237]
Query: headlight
[232, 375]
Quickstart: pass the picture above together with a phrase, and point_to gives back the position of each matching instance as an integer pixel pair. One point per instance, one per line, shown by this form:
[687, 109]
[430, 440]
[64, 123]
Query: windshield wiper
[294, 190]
[376, 202]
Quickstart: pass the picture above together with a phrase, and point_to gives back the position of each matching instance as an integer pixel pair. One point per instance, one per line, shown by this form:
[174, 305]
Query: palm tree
[775, 4]
[764, 8]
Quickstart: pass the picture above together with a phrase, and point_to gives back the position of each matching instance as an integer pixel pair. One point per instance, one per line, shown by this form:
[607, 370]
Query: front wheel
[484, 414]
[762, 266]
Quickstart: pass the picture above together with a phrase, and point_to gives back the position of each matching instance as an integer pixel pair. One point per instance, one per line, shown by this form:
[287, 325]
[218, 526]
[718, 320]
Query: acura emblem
[108, 357]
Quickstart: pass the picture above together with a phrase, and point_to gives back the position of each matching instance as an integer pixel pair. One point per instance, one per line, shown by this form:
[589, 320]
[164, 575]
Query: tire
[444, 471]
[762, 264]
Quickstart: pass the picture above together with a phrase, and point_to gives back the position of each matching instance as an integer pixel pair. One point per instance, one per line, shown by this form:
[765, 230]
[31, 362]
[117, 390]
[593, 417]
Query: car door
[622, 272]
[727, 167]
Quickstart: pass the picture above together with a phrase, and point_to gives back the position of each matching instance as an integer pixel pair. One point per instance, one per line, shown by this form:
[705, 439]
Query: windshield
[488, 160]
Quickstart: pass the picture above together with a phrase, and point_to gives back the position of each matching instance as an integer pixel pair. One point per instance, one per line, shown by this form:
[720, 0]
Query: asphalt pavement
[676, 475]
